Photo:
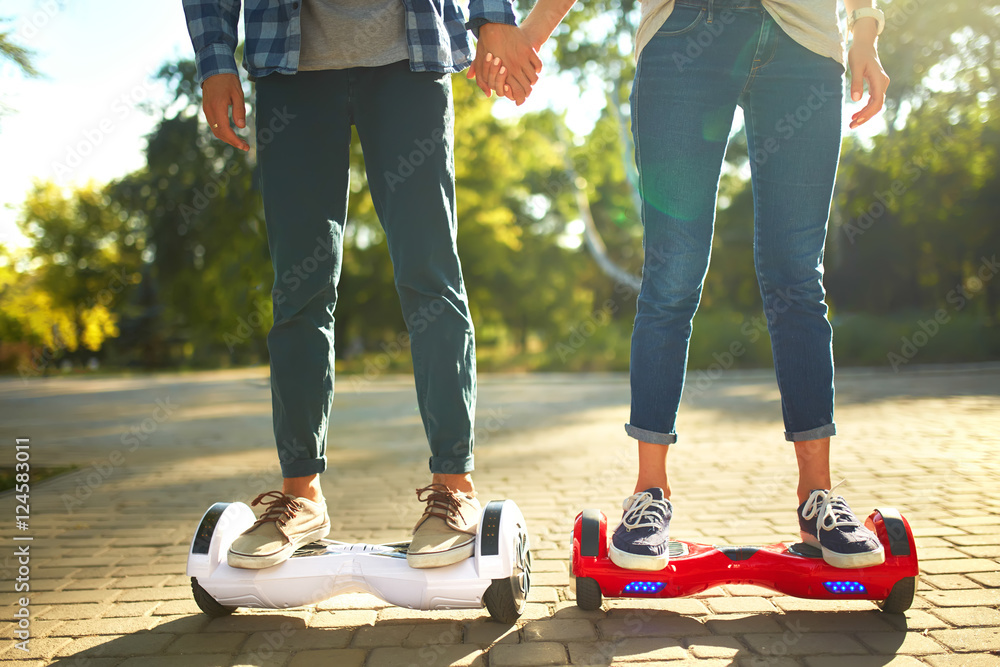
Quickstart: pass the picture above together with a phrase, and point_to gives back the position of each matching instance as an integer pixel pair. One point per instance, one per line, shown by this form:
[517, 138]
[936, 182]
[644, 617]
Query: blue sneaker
[641, 540]
[827, 522]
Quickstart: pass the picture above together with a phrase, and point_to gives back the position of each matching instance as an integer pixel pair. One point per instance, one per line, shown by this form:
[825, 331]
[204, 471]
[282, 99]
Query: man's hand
[219, 92]
[511, 51]
[865, 66]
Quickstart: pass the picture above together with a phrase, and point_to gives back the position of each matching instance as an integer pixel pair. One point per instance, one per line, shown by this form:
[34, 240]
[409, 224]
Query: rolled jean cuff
[812, 434]
[651, 437]
[441, 465]
[304, 468]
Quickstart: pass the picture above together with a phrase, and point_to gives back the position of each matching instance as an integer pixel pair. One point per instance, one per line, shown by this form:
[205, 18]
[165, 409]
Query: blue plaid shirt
[436, 32]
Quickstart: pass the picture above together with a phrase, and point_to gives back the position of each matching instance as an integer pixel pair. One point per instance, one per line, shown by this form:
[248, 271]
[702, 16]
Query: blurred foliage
[168, 266]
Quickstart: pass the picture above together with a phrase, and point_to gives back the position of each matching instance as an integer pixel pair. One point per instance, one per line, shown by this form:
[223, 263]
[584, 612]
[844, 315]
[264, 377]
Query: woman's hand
[865, 66]
[219, 93]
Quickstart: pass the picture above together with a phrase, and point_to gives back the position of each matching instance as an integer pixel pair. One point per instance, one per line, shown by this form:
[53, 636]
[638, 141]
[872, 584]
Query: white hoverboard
[496, 576]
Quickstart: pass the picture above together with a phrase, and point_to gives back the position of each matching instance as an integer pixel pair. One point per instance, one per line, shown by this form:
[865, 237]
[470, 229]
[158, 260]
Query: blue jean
[405, 123]
[707, 58]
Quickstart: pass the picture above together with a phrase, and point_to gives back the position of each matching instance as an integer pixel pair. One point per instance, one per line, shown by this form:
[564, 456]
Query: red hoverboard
[793, 569]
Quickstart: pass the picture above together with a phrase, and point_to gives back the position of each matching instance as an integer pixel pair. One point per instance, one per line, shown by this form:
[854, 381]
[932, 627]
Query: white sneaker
[446, 533]
[286, 524]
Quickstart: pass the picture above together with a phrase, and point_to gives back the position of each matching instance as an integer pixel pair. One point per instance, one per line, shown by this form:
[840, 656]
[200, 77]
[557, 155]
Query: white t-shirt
[811, 23]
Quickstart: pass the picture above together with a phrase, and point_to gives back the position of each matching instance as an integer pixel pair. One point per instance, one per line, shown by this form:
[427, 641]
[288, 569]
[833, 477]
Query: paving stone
[847, 622]
[208, 660]
[958, 565]
[38, 648]
[738, 605]
[682, 606]
[348, 657]
[352, 601]
[400, 615]
[382, 635]
[70, 597]
[892, 643]
[433, 634]
[801, 604]
[73, 662]
[269, 659]
[165, 593]
[947, 582]
[637, 650]
[457, 656]
[343, 618]
[969, 639]
[983, 597]
[207, 642]
[812, 643]
[963, 660]
[714, 647]
[915, 619]
[484, 633]
[863, 661]
[283, 621]
[151, 581]
[649, 624]
[544, 594]
[174, 607]
[104, 646]
[73, 611]
[559, 630]
[739, 624]
[974, 540]
[535, 654]
[969, 616]
[298, 638]
[989, 579]
[127, 609]
[181, 624]
[104, 626]
[749, 591]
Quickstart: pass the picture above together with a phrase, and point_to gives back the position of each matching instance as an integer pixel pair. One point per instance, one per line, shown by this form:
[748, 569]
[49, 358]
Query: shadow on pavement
[755, 640]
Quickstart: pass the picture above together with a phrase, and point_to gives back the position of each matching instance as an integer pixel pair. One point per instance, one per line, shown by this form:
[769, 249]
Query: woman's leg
[682, 113]
[681, 118]
[793, 109]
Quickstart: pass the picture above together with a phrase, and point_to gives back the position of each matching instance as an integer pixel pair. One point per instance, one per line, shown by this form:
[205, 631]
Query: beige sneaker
[446, 533]
[286, 524]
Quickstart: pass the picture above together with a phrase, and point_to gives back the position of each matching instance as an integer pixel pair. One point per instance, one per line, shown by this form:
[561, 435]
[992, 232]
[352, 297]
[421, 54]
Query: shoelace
[832, 511]
[643, 506]
[280, 508]
[443, 503]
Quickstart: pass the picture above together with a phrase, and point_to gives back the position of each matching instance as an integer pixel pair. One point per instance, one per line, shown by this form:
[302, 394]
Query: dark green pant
[405, 121]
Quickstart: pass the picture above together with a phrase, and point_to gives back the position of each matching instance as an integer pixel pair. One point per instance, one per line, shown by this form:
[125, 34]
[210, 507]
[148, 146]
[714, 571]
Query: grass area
[8, 476]
[721, 339]
[725, 339]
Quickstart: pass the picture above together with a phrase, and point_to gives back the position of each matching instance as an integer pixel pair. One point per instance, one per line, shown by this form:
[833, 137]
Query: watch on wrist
[866, 12]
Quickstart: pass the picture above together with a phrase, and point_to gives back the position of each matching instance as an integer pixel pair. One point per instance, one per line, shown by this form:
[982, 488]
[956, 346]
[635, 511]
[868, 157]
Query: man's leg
[405, 121]
[304, 135]
[303, 144]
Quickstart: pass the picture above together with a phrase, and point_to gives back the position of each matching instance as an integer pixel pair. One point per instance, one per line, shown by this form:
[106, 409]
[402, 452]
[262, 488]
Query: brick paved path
[110, 541]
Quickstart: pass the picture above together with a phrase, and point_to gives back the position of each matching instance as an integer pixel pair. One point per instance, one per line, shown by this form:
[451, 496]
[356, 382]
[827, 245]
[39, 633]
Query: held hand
[865, 66]
[513, 48]
[219, 92]
[493, 78]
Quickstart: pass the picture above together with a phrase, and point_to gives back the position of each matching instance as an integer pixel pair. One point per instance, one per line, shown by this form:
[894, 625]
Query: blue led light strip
[644, 587]
[848, 587]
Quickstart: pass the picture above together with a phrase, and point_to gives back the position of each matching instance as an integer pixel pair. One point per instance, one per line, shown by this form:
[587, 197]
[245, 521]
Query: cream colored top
[811, 23]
